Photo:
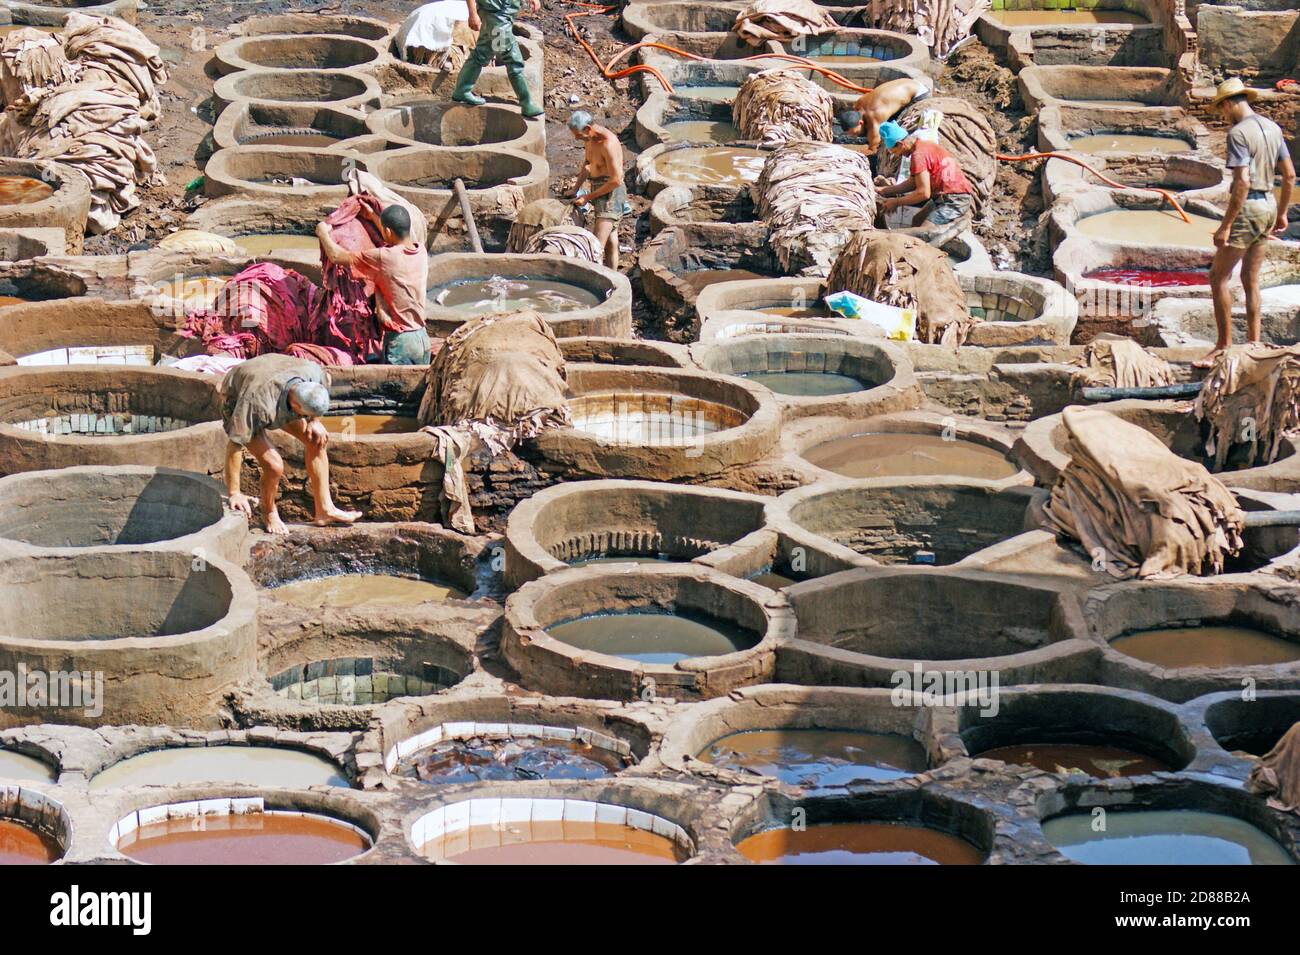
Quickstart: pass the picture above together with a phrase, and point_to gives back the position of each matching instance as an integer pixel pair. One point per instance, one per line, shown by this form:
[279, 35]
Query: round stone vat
[266, 767]
[1120, 135]
[239, 830]
[157, 636]
[270, 171]
[660, 424]
[63, 203]
[35, 829]
[935, 521]
[597, 350]
[859, 53]
[826, 375]
[364, 28]
[912, 827]
[1069, 730]
[1252, 726]
[24, 762]
[1169, 822]
[670, 119]
[107, 415]
[691, 16]
[295, 52]
[1114, 87]
[403, 79]
[361, 681]
[342, 89]
[620, 600]
[730, 168]
[1017, 309]
[55, 13]
[682, 205]
[610, 315]
[525, 830]
[817, 738]
[449, 125]
[287, 126]
[1183, 639]
[89, 331]
[1133, 220]
[971, 623]
[118, 507]
[1189, 176]
[274, 223]
[597, 521]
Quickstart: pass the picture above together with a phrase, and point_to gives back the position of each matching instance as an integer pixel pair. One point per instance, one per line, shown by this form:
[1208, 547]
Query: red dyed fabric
[264, 308]
[347, 307]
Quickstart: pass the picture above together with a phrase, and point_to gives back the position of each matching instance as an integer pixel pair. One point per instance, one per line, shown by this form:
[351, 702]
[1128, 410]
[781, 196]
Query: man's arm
[1236, 200]
[333, 251]
[615, 179]
[475, 23]
[234, 462]
[914, 192]
[1287, 168]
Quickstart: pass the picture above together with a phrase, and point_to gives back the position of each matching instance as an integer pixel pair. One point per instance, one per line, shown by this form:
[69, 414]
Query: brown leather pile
[570, 241]
[906, 272]
[533, 218]
[781, 20]
[779, 106]
[1277, 777]
[1114, 361]
[940, 24]
[1137, 508]
[1251, 398]
[965, 132]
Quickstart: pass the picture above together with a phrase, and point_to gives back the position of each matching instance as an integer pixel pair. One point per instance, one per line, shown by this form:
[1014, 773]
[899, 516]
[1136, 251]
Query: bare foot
[336, 516]
[1209, 360]
[274, 525]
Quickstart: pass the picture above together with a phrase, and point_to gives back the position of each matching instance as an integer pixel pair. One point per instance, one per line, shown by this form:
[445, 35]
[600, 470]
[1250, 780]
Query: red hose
[1110, 182]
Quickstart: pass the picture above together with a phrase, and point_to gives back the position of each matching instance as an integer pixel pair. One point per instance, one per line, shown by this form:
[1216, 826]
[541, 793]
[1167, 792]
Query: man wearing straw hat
[1256, 152]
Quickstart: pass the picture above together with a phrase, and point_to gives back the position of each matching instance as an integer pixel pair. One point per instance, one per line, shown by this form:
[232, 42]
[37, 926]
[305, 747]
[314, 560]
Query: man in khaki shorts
[1256, 152]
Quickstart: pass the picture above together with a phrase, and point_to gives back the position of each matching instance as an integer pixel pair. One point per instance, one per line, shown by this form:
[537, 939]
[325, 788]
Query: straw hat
[1233, 87]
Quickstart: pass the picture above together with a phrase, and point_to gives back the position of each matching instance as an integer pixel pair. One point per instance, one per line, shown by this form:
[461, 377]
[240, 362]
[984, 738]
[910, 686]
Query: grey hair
[312, 398]
[579, 120]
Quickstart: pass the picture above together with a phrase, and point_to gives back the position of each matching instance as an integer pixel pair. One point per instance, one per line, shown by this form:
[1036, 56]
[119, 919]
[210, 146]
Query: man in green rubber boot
[495, 22]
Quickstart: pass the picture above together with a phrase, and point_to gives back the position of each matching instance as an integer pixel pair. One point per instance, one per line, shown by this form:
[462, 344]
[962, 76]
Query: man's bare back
[884, 103]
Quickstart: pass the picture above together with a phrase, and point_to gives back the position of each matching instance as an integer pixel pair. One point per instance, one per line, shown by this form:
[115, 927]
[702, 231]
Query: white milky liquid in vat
[700, 131]
[712, 165]
[14, 765]
[1164, 837]
[1151, 227]
[1129, 143]
[501, 294]
[252, 765]
[650, 417]
[138, 355]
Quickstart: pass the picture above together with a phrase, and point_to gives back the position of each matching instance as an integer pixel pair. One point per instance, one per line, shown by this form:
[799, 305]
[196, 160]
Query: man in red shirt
[936, 183]
[399, 271]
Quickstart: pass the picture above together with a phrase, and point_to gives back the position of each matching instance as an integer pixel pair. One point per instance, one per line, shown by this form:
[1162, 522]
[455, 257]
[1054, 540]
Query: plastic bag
[898, 324]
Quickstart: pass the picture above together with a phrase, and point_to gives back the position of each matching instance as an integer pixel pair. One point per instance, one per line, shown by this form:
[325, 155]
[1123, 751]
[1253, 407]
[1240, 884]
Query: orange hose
[1110, 182]
[592, 10]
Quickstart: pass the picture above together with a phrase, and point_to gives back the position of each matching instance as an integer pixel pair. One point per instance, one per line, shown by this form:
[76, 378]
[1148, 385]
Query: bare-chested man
[879, 106]
[602, 169]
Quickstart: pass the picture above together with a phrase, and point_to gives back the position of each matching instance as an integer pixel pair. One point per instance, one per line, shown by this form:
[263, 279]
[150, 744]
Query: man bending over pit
[937, 184]
[278, 392]
[602, 168]
[399, 271]
[879, 106]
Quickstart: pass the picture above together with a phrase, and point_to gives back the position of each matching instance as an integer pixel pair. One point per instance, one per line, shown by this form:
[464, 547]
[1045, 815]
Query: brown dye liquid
[908, 455]
[1103, 762]
[700, 131]
[714, 94]
[703, 278]
[292, 140]
[712, 165]
[499, 294]
[772, 580]
[1126, 103]
[22, 846]
[859, 843]
[1210, 646]
[806, 384]
[366, 424]
[1051, 18]
[7, 300]
[556, 843]
[260, 838]
[1151, 227]
[21, 190]
[796, 311]
[252, 765]
[364, 590]
[1129, 143]
[652, 637]
[818, 758]
[277, 243]
[198, 291]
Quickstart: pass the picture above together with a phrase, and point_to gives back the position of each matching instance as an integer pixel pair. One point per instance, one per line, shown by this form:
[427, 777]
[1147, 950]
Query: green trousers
[496, 40]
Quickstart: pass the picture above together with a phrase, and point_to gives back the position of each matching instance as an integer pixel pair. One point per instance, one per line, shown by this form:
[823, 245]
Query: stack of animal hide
[1114, 361]
[570, 241]
[1251, 398]
[940, 24]
[781, 20]
[780, 106]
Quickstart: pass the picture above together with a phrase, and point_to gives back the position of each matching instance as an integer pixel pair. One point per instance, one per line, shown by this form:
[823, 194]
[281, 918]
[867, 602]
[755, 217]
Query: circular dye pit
[20, 845]
[817, 758]
[277, 243]
[510, 294]
[650, 417]
[893, 454]
[1152, 278]
[700, 131]
[701, 279]
[1150, 227]
[806, 384]
[711, 165]
[361, 425]
[859, 843]
[1218, 645]
[364, 590]
[560, 842]
[1129, 143]
[15, 765]
[256, 838]
[23, 190]
[293, 139]
[360, 681]
[1163, 837]
[251, 765]
[1064, 18]
[654, 637]
[1101, 762]
[512, 758]
[712, 94]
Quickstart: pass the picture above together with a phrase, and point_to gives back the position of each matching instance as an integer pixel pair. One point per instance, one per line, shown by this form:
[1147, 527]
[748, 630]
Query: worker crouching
[936, 183]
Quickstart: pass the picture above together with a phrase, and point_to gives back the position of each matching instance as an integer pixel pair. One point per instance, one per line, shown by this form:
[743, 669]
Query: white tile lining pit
[469, 729]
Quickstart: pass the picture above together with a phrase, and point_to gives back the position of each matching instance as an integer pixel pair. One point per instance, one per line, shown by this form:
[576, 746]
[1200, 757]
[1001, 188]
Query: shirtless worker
[879, 106]
[399, 271]
[273, 392]
[937, 184]
[1256, 150]
[602, 168]
[494, 21]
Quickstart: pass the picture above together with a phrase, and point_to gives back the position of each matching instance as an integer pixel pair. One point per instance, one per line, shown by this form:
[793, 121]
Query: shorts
[948, 207]
[407, 348]
[1254, 223]
[610, 205]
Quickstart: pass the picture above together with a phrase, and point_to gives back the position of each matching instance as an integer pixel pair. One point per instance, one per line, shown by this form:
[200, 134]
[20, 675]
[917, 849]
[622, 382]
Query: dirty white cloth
[1277, 774]
[570, 241]
[781, 20]
[452, 446]
[1251, 397]
[198, 242]
[437, 34]
[206, 364]
[780, 106]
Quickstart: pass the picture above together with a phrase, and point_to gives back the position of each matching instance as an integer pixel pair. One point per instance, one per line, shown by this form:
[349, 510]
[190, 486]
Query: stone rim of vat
[237, 215]
[545, 662]
[610, 802]
[39, 811]
[223, 534]
[1059, 127]
[898, 391]
[602, 350]
[149, 271]
[1212, 718]
[998, 34]
[1253, 600]
[611, 317]
[525, 180]
[197, 447]
[1037, 82]
[1051, 312]
[248, 52]
[1066, 796]
[371, 30]
[640, 19]
[67, 208]
[228, 171]
[1066, 213]
[525, 135]
[597, 507]
[988, 434]
[352, 90]
[235, 121]
[188, 671]
[670, 201]
[37, 327]
[775, 706]
[1069, 655]
[582, 453]
[1187, 175]
[652, 181]
[54, 15]
[193, 802]
[1178, 318]
[50, 755]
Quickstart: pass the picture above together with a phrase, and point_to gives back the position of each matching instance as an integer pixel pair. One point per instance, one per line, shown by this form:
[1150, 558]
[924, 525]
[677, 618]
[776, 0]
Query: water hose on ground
[1108, 181]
